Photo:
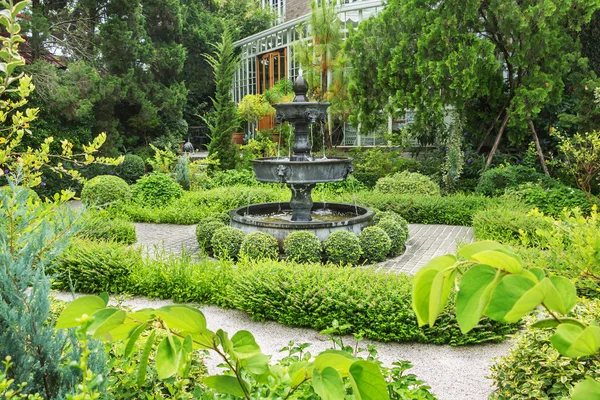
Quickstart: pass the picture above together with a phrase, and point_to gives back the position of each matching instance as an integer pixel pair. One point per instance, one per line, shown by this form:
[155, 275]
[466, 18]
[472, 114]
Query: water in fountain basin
[319, 215]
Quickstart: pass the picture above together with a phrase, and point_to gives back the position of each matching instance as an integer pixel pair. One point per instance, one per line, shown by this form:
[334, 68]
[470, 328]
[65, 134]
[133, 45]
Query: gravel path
[454, 373]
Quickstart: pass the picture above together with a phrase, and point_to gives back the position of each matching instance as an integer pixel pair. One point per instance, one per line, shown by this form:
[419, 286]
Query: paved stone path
[424, 243]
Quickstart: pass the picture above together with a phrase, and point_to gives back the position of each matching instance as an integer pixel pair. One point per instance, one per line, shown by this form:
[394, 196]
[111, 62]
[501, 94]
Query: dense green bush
[342, 247]
[374, 163]
[182, 172]
[375, 244]
[510, 226]
[105, 189]
[100, 226]
[397, 230]
[233, 177]
[376, 304]
[259, 245]
[302, 246]
[205, 231]
[408, 183]
[95, 267]
[534, 369]
[495, 181]
[181, 278]
[449, 210]
[550, 201]
[194, 206]
[226, 242]
[156, 190]
[131, 169]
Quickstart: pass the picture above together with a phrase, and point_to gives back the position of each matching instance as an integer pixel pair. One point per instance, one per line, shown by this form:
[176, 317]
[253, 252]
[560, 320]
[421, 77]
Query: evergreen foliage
[223, 120]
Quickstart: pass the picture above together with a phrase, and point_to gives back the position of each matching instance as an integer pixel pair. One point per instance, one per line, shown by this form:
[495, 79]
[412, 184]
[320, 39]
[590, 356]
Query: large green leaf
[105, 320]
[587, 389]
[244, 344]
[223, 340]
[168, 354]
[135, 334]
[506, 294]
[225, 385]
[141, 375]
[328, 384]
[527, 303]
[183, 318]
[85, 305]
[499, 260]
[258, 364]
[561, 294]
[337, 359]
[468, 250]
[440, 290]
[473, 296]
[367, 381]
[298, 372]
[574, 341]
[422, 283]
[553, 323]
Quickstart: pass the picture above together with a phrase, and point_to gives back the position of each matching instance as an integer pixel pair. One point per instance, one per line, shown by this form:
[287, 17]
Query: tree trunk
[493, 124]
[496, 142]
[539, 148]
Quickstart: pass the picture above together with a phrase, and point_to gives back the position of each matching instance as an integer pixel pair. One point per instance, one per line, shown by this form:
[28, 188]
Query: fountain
[301, 172]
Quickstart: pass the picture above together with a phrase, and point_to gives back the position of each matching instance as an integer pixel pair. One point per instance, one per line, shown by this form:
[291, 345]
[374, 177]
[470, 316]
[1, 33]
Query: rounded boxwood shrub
[105, 189]
[302, 246]
[411, 183]
[259, 245]
[375, 244]
[495, 181]
[131, 169]
[157, 190]
[30, 192]
[342, 247]
[226, 242]
[379, 215]
[204, 232]
[397, 231]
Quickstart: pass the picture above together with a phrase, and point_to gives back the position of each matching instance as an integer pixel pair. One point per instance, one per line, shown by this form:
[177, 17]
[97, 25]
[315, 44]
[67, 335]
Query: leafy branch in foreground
[492, 282]
[183, 331]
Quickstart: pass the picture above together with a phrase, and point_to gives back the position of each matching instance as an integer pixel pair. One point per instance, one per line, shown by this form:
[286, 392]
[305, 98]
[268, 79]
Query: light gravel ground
[454, 373]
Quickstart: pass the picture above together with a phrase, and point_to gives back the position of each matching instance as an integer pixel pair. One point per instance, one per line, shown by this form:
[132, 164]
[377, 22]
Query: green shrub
[156, 190]
[205, 231]
[408, 183]
[131, 169]
[374, 163]
[376, 304]
[375, 244]
[534, 369]
[397, 230]
[29, 193]
[509, 226]
[342, 247]
[379, 215]
[259, 245]
[302, 246]
[226, 242]
[550, 201]
[105, 189]
[233, 177]
[182, 172]
[495, 181]
[95, 267]
[192, 207]
[100, 226]
[181, 278]
[449, 210]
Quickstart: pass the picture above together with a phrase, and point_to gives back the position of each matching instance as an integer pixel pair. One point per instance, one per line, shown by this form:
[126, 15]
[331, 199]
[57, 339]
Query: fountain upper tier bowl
[317, 170]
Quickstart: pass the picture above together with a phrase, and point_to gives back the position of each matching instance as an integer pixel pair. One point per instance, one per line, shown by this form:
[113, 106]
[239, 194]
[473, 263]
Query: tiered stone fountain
[301, 172]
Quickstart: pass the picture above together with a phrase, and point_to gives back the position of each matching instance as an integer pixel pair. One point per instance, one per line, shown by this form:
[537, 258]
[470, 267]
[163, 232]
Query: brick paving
[424, 243]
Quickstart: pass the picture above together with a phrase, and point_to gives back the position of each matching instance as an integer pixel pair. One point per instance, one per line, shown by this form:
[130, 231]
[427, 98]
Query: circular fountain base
[275, 219]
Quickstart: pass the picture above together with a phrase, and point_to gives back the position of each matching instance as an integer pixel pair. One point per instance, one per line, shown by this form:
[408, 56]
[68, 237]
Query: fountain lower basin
[258, 217]
[317, 170]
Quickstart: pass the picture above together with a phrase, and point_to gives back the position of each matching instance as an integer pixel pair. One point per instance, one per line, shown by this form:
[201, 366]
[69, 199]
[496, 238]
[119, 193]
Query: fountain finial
[300, 89]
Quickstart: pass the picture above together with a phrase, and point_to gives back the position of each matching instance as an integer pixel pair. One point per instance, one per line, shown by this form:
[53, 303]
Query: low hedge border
[375, 304]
